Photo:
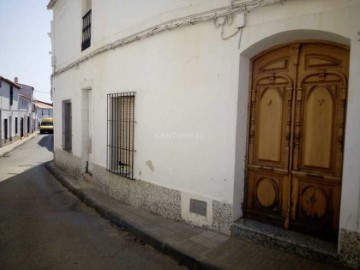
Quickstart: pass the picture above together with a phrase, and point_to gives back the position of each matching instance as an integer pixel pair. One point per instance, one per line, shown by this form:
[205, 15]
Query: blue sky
[25, 44]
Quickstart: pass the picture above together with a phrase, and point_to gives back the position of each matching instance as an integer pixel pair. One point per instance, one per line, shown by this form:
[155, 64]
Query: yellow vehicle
[47, 125]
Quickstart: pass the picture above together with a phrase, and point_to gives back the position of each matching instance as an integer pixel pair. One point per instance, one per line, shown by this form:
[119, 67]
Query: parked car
[47, 125]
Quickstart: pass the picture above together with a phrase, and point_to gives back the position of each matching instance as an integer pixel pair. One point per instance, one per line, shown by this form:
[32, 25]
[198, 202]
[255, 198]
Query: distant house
[41, 110]
[15, 115]
[215, 111]
[26, 95]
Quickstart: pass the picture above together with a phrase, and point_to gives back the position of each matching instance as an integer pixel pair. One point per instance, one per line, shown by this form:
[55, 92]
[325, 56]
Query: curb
[178, 254]
[22, 141]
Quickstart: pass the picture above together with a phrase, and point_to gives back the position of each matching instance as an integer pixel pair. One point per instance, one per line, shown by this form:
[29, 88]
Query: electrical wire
[213, 14]
[41, 92]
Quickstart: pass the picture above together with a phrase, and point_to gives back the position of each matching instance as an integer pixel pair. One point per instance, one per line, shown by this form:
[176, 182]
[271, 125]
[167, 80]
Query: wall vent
[198, 207]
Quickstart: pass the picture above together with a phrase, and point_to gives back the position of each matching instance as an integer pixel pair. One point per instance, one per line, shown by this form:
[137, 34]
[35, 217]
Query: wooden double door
[297, 109]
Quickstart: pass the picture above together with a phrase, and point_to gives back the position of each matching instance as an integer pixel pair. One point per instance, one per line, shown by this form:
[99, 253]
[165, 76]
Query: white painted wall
[5, 97]
[66, 35]
[113, 19]
[139, 15]
[177, 99]
[11, 112]
[189, 82]
[41, 113]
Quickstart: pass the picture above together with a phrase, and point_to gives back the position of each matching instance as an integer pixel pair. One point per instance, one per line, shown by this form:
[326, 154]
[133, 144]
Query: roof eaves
[29, 86]
[24, 97]
[39, 101]
[10, 82]
[51, 4]
[43, 106]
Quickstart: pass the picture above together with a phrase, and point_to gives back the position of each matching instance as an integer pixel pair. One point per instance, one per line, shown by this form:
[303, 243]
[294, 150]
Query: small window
[28, 124]
[11, 95]
[6, 129]
[67, 126]
[120, 134]
[86, 25]
[16, 125]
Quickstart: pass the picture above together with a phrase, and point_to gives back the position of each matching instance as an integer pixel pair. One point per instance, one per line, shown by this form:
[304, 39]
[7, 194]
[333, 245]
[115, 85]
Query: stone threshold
[289, 241]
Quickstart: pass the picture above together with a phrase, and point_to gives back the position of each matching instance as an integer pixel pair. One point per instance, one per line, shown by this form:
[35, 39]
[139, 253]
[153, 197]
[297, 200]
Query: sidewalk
[8, 148]
[194, 247]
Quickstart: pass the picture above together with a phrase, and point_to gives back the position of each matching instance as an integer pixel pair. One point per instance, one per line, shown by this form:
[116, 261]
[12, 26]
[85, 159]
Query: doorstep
[290, 241]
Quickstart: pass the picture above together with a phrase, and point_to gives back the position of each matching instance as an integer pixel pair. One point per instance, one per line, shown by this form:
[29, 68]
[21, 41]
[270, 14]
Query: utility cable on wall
[215, 14]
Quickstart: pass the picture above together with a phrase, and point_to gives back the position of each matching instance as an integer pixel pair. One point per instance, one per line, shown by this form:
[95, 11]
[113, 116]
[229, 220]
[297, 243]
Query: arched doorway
[296, 124]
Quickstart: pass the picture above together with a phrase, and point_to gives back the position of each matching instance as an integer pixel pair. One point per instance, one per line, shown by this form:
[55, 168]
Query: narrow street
[43, 226]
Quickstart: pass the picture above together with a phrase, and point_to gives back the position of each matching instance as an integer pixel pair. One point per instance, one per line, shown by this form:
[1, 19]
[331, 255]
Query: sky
[25, 44]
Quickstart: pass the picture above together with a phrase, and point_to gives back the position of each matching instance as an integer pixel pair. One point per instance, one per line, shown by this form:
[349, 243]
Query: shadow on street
[45, 227]
[47, 141]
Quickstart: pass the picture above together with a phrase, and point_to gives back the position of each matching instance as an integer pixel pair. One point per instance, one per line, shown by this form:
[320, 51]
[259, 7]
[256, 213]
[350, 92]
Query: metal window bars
[86, 31]
[120, 133]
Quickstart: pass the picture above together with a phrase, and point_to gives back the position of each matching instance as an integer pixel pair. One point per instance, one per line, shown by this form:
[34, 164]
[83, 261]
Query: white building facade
[15, 112]
[211, 111]
[41, 110]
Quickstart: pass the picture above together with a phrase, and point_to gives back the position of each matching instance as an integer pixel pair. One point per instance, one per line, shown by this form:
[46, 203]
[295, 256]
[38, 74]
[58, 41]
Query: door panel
[315, 205]
[268, 191]
[270, 124]
[269, 138]
[295, 151]
[317, 168]
[318, 127]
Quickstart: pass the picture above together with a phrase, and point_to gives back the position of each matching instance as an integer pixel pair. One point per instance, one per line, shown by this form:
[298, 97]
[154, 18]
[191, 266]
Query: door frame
[248, 114]
[87, 129]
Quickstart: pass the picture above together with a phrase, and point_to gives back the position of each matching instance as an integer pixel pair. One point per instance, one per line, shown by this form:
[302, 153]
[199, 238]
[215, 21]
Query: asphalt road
[43, 226]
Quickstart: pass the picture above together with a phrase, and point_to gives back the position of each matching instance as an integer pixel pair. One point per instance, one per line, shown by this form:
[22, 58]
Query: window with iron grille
[67, 126]
[120, 134]
[86, 31]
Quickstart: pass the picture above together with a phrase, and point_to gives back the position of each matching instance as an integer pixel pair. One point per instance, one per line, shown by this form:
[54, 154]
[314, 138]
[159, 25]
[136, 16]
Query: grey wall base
[156, 199]
[350, 248]
[69, 162]
[222, 217]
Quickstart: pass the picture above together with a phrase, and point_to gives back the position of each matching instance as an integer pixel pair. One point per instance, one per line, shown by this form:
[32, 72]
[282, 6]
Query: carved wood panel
[269, 133]
[297, 117]
[317, 169]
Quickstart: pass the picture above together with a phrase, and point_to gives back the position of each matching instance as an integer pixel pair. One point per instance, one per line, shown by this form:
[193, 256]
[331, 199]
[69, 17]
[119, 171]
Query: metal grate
[86, 31]
[120, 133]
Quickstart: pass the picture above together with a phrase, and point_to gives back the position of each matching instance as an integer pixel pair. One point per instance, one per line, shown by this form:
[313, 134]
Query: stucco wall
[182, 108]
[5, 97]
[192, 94]
[10, 112]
